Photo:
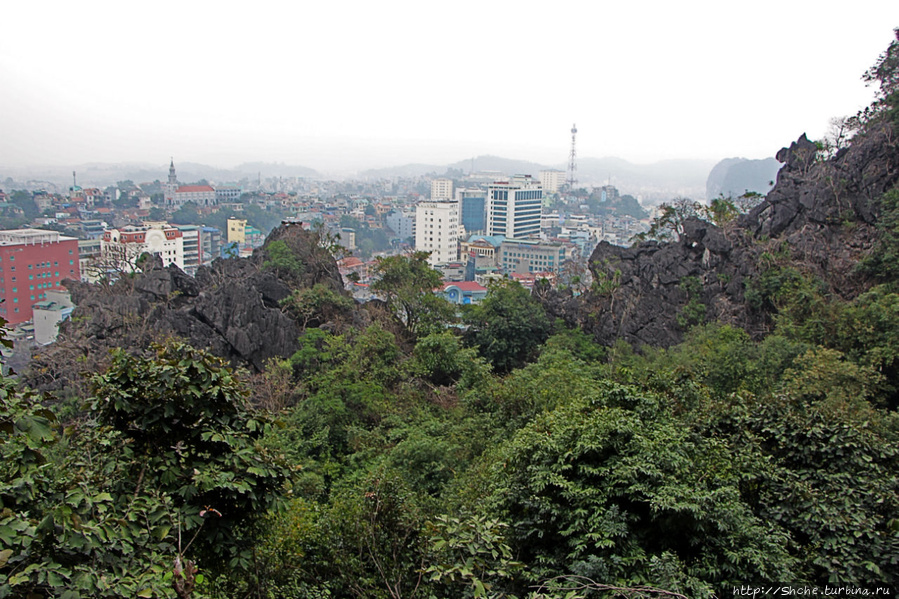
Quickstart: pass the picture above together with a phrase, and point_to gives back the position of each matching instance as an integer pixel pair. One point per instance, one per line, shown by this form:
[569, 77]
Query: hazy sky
[345, 84]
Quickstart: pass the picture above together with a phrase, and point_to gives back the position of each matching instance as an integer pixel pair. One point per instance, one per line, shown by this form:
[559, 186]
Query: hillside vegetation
[718, 410]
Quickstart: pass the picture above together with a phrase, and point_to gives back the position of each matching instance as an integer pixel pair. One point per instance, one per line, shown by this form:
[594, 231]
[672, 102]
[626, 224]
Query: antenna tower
[572, 161]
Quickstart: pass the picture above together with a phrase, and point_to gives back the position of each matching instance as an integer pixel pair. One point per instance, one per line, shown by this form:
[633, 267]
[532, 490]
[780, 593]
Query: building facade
[225, 194]
[473, 204]
[47, 315]
[552, 180]
[401, 224]
[193, 248]
[123, 247]
[437, 231]
[514, 207]
[210, 244]
[525, 256]
[441, 189]
[32, 262]
[201, 195]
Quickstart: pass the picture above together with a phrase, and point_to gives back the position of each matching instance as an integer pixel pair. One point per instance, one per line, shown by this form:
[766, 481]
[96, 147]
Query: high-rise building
[211, 244]
[437, 231]
[32, 262]
[552, 180]
[514, 207]
[402, 224]
[441, 189]
[193, 248]
[473, 205]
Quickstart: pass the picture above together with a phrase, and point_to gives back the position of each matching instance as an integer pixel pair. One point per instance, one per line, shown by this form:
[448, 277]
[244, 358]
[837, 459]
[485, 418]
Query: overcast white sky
[346, 84]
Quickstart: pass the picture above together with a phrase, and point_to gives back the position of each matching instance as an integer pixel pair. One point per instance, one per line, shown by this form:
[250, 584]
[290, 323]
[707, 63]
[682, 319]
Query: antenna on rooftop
[74, 184]
[572, 161]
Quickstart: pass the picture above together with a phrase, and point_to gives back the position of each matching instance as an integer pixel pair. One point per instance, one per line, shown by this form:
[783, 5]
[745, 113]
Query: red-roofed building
[176, 195]
[352, 264]
[201, 195]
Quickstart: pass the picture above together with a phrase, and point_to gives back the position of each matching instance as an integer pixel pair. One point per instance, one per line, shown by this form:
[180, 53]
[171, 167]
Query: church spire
[172, 178]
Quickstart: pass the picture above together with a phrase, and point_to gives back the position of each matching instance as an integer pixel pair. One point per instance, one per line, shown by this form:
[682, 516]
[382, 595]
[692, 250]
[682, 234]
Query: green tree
[408, 283]
[280, 258]
[885, 74]
[65, 526]
[193, 437]
[25, 201]
[610, 488]
[669, 225]
[318, 304]
[187, 215]
[883, 261]
[508, 326]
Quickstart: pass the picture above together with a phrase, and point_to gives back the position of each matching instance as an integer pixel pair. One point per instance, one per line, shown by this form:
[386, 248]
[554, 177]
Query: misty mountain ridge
[733, 177]
[653, 182]
[656, 181]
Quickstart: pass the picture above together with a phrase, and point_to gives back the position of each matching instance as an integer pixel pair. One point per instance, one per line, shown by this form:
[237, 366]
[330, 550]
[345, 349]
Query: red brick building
[31, 262]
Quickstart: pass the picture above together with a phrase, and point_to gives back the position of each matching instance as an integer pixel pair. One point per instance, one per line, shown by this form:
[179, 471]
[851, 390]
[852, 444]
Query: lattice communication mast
[572, 161]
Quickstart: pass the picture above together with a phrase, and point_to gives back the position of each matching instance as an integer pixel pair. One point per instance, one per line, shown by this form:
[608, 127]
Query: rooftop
[31, 237]
[464, 286]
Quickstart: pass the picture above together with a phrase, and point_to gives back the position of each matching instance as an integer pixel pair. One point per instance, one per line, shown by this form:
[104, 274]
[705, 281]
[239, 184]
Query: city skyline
[355, 86]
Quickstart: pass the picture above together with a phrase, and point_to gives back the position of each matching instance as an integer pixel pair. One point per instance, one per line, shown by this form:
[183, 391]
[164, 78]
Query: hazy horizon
[358, 86]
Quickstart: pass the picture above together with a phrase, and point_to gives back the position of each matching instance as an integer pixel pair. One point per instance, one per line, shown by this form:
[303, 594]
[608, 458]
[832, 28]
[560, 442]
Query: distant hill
[654, 182]
[736, 176]
[508, 166]
[272, 169]
[102, 174]
[405, 171]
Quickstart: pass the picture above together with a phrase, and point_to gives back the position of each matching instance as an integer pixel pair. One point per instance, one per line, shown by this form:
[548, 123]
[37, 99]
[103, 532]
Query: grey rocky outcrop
[232, 308]
[820, 213]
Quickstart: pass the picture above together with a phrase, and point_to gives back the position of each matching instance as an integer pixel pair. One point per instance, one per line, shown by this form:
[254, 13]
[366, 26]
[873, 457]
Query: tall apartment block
[33, 261]
[441, 189]
[437, 230]
[514, 207]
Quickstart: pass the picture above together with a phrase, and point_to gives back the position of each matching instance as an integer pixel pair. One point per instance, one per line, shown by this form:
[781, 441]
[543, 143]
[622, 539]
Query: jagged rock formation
[231, 308]
[821, 213]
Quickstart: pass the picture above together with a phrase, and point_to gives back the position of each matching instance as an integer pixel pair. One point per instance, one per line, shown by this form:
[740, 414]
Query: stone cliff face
[231, 308]
[821, 213]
